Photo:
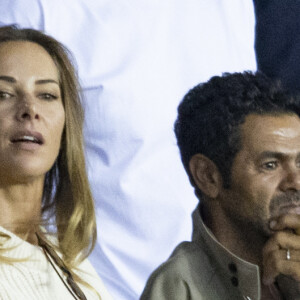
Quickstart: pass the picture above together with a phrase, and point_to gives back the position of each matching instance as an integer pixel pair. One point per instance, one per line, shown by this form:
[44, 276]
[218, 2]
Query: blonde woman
[47, 220]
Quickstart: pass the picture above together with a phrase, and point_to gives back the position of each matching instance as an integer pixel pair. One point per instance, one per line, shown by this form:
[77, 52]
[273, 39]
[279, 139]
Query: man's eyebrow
[8, 79]
[44, 81]
[271, 154]
[274, 154]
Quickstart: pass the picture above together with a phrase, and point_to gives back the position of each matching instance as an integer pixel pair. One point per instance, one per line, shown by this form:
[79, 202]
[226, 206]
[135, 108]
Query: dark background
[277, 41]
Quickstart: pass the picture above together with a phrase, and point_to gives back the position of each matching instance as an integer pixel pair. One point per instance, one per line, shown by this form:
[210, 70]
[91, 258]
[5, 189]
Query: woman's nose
[27, 110]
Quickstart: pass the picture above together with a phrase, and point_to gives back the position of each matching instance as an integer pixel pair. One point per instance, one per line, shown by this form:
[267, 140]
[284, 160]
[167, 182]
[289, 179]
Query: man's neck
[237, 238]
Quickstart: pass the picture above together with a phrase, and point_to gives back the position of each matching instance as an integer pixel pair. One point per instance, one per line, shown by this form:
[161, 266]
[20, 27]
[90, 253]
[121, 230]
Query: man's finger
[283, 261]
[284, 222]
[282, 240]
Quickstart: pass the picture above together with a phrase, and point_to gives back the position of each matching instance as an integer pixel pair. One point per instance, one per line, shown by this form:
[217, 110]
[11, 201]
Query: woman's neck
[21, 208]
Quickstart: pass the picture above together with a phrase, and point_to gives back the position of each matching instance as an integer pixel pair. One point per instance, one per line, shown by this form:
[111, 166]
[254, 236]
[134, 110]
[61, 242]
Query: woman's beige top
[35, 278]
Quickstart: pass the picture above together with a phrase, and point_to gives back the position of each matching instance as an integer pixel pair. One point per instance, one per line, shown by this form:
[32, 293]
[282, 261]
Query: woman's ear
[206, 175]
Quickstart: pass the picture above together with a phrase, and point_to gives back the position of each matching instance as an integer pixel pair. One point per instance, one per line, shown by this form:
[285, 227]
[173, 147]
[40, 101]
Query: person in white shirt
[136, 59]
[47, 217]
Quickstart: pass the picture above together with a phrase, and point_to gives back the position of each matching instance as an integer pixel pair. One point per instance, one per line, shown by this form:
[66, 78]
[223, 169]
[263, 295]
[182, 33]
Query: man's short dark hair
[210, 115]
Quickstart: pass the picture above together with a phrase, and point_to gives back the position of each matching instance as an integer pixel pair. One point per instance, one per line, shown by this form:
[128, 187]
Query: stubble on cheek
[259, 212]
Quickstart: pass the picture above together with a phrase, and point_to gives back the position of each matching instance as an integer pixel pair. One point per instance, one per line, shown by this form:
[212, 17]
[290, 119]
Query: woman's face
[32, 115]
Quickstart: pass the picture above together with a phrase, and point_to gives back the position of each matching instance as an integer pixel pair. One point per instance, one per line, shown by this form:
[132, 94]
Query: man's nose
[27, 109]
[291, 180]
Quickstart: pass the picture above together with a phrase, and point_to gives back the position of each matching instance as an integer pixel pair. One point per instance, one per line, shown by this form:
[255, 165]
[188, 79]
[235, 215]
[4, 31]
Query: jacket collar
[241, 274]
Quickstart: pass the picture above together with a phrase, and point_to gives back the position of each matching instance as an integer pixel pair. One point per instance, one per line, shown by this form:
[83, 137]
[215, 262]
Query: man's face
[265, 180]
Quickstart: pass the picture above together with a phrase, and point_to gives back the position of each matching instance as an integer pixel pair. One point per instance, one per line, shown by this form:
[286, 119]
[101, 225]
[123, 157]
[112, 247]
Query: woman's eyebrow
[40, 81]
[43, 81]
[8, 79]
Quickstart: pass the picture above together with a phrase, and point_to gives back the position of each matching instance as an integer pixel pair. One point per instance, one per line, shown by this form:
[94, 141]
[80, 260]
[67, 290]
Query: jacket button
[234, 281]
[232, 267]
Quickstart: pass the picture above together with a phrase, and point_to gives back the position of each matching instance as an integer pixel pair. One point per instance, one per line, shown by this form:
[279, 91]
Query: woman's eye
[270, 165]
[5, 95]
[48, 96]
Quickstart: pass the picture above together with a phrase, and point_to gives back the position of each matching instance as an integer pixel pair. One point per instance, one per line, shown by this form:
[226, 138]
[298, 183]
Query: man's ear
[206, 175]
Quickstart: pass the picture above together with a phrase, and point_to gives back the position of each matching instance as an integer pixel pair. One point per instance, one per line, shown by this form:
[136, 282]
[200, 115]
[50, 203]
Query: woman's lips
[27, 135]
[27, 140]
[26, 145]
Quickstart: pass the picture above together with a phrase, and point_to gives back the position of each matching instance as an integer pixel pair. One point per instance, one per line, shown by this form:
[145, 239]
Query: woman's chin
[22, 174]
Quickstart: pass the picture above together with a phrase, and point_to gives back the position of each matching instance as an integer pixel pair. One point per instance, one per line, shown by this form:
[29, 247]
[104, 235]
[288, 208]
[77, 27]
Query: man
[135, 60]
[239, 138]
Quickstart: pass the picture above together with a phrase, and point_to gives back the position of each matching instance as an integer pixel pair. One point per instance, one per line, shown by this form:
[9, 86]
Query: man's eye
[48, 96]
[270, 165]
[5, 95]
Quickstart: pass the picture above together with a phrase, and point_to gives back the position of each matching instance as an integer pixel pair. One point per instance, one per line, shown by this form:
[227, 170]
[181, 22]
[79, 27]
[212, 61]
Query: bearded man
[239, 139]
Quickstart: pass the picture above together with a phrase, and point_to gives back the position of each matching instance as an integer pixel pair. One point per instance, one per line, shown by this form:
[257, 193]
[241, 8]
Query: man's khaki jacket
[203, 270]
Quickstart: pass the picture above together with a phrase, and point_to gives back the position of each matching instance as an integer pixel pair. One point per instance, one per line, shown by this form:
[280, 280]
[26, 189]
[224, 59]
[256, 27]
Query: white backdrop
[136, 60]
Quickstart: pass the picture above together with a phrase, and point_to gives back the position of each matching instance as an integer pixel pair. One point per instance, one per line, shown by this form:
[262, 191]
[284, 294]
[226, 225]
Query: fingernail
[273, 224]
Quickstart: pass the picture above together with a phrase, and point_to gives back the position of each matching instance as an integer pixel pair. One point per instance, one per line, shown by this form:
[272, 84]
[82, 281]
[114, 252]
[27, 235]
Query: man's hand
[281, 256]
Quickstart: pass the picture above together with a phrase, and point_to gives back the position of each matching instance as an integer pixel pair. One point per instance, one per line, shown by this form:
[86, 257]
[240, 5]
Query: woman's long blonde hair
[67, 196]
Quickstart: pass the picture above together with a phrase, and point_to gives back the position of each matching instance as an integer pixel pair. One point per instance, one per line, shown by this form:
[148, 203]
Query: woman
[47, 221]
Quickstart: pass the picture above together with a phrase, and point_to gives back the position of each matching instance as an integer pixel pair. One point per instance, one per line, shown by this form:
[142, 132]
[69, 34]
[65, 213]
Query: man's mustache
[285, 199]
